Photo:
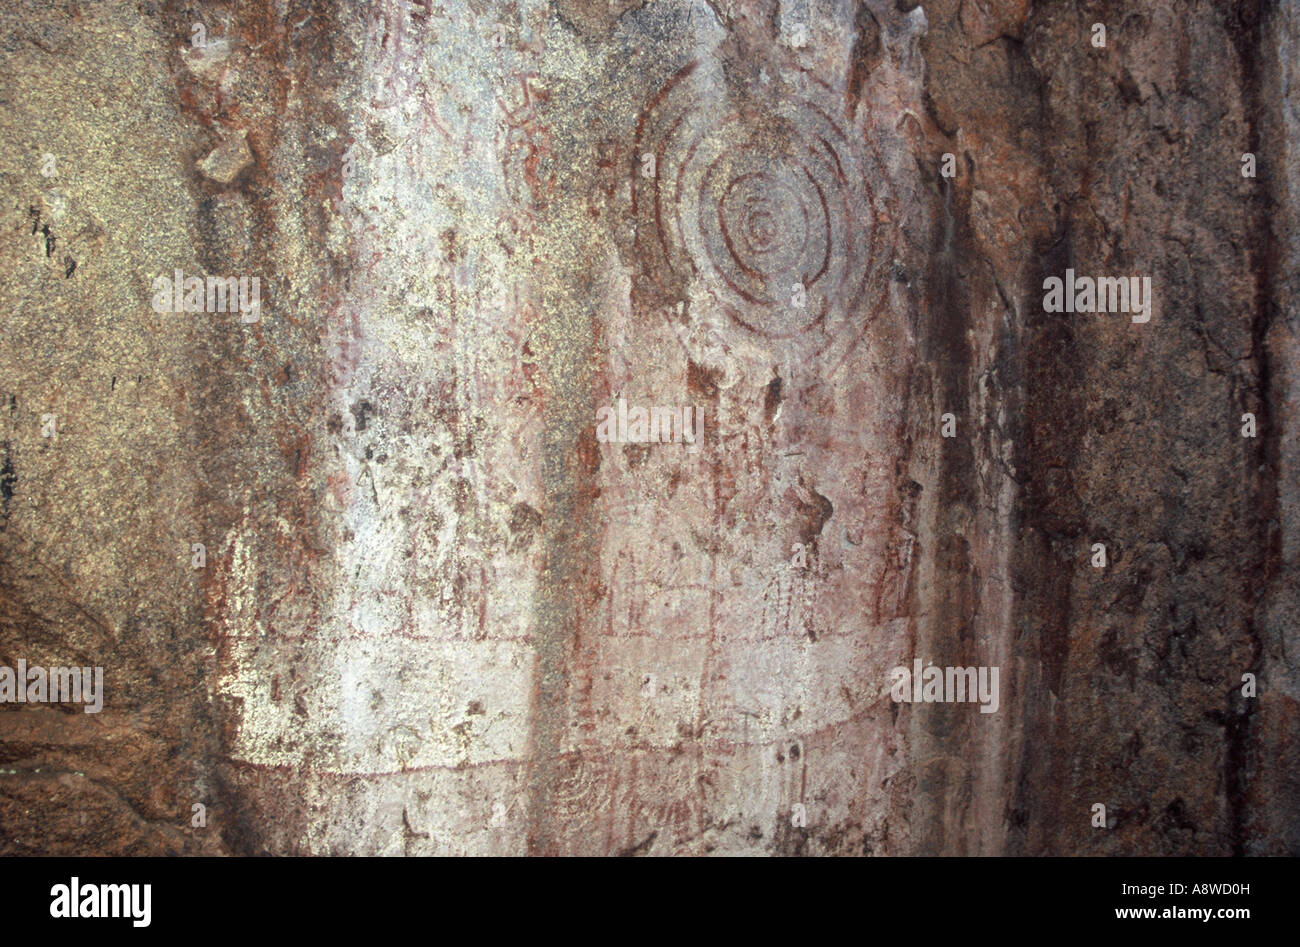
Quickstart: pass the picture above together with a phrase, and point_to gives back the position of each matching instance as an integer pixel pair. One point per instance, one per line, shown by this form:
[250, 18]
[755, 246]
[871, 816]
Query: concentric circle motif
[770, 203]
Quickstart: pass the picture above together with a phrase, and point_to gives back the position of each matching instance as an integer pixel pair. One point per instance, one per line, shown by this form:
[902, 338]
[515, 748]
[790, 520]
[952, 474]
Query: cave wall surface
[437, 611]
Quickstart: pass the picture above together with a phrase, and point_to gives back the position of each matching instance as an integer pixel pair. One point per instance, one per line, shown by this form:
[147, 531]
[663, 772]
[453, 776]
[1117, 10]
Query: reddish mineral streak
[439, 616]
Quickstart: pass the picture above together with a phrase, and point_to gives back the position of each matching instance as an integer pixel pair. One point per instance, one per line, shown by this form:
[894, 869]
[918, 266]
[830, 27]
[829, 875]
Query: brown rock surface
[437, 614]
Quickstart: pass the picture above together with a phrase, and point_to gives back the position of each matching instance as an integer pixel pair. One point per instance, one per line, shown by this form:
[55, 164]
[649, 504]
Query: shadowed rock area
[364, 527]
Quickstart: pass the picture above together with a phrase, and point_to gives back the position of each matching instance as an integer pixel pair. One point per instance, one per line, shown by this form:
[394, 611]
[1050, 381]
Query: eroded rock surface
[434, 612]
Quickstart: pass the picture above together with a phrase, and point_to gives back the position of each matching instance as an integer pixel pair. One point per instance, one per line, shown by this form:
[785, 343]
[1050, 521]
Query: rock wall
[437, 610]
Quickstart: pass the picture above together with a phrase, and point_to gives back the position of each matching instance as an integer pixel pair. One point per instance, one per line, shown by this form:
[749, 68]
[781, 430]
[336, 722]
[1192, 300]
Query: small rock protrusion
[205, 62]
[228, 160]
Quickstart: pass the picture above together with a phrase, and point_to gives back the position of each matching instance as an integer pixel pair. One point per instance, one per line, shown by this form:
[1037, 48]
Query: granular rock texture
[364, 570]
